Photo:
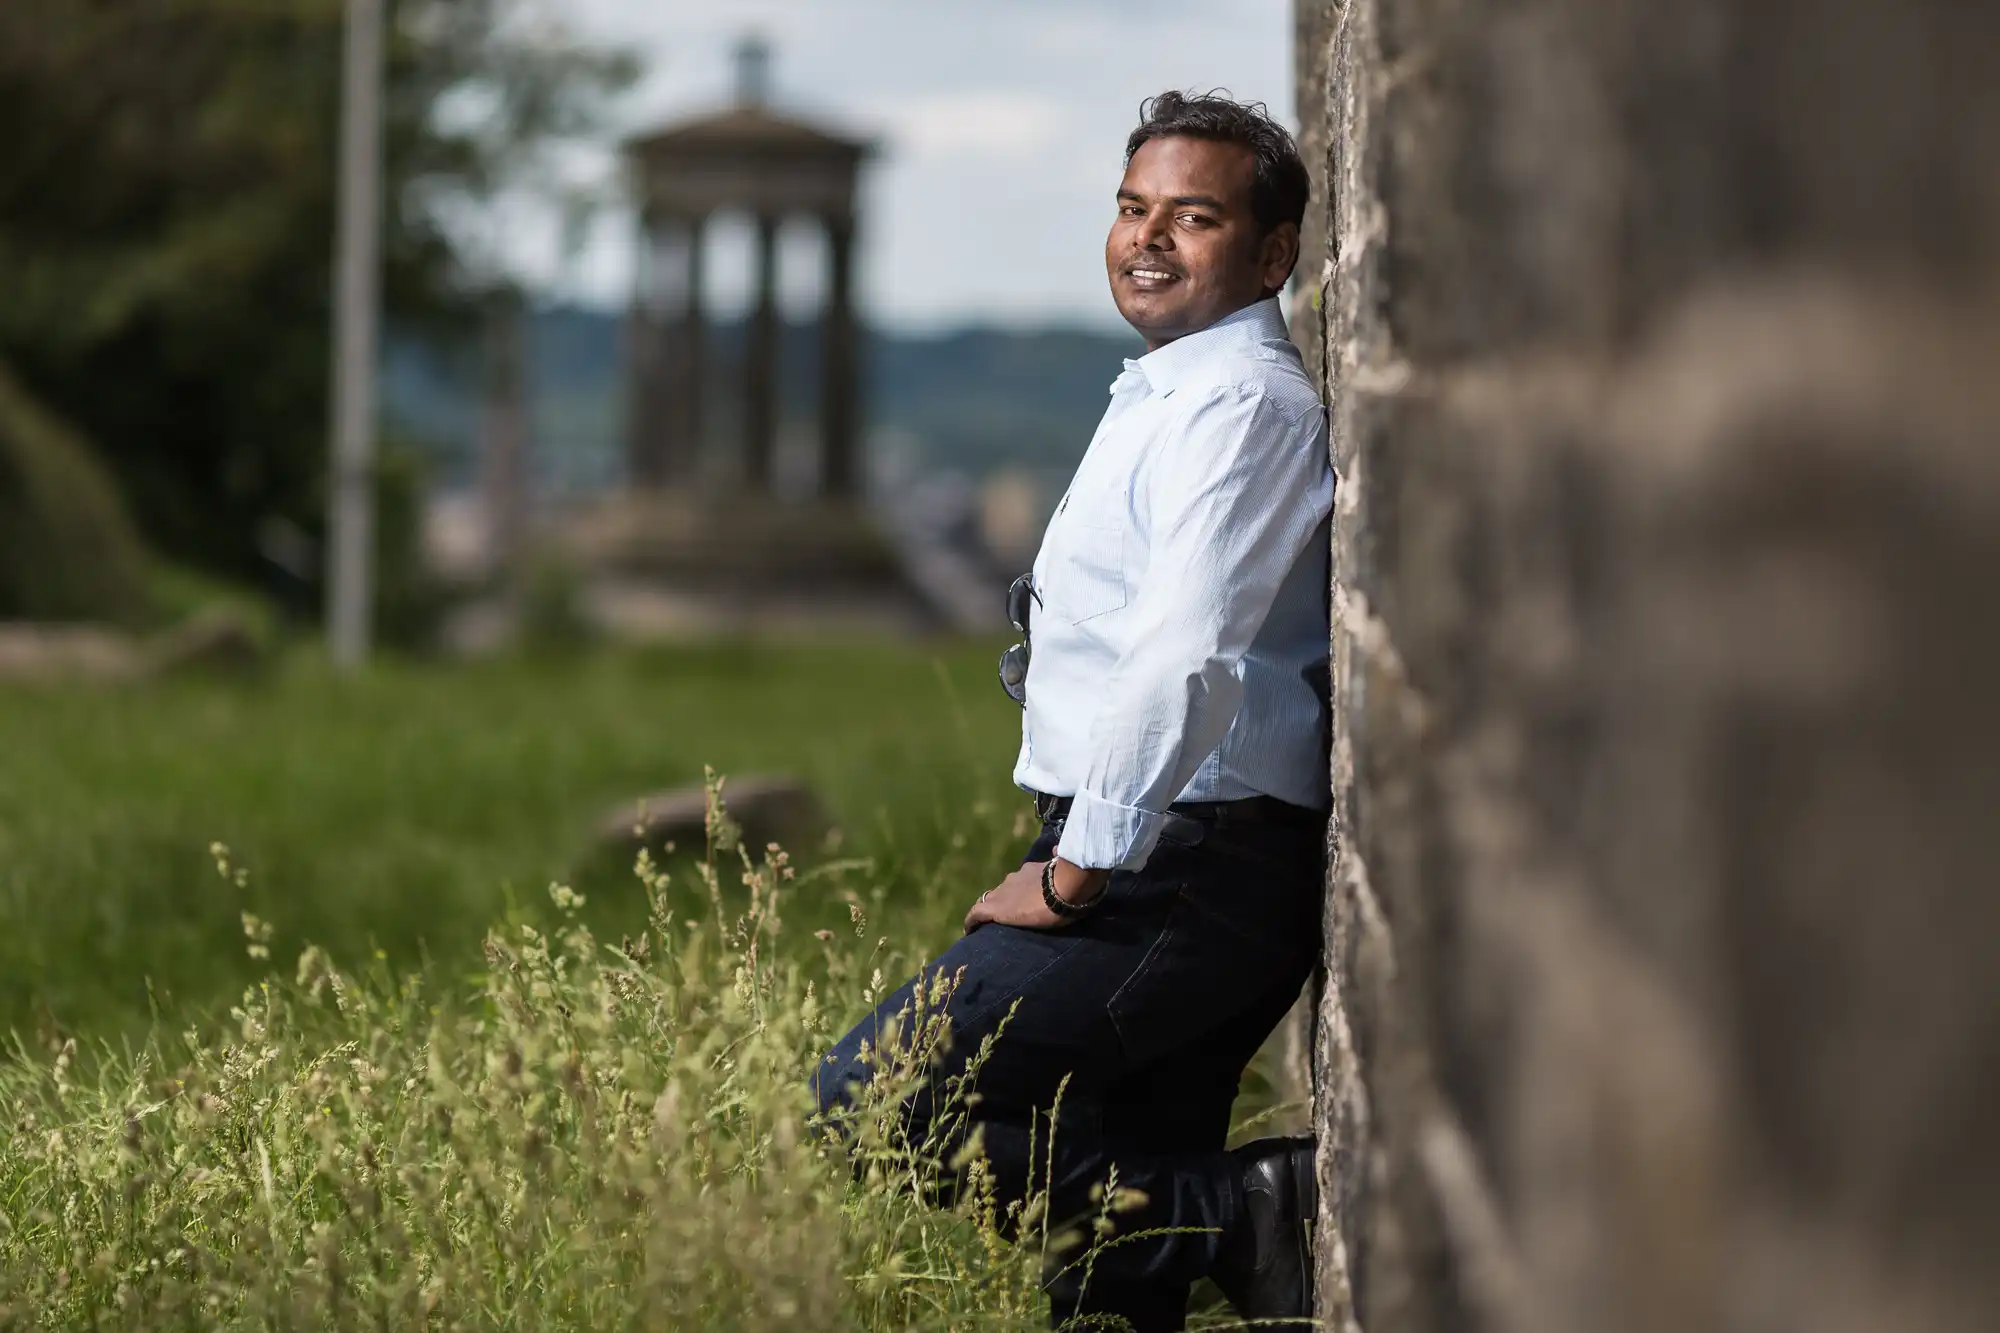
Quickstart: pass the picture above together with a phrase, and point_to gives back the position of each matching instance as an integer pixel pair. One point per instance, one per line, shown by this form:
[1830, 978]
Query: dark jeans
[1152, 1006]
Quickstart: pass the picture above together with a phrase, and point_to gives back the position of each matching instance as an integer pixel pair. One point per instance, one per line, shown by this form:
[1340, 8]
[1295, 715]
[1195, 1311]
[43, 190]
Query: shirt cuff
[1103, 835]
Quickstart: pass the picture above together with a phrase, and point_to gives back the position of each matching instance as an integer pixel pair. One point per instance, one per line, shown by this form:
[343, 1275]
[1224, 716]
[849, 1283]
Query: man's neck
[1155, 342]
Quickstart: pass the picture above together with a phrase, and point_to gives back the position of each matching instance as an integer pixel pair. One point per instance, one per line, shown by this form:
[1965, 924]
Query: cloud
[1002, 128]
[1009, 124]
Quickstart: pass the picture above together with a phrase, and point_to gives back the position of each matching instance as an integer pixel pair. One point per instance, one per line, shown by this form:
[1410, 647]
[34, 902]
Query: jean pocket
[1148, 1009]
[1227, 936]
[1189, 982]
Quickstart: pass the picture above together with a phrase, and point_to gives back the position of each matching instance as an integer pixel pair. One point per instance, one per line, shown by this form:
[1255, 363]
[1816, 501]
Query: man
[1174, 738]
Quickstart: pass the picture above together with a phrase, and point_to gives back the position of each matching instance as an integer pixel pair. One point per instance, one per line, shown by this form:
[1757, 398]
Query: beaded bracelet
[1061, 906]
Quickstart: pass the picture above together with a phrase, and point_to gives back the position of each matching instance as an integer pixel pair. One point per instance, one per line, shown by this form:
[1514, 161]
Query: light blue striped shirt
[1180, 639]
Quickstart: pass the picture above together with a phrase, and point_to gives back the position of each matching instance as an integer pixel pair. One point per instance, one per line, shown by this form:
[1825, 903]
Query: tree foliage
[68, 549]
[166, 209]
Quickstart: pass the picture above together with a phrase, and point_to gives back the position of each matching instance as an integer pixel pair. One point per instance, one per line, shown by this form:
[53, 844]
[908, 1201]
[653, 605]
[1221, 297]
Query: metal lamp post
[357, 298]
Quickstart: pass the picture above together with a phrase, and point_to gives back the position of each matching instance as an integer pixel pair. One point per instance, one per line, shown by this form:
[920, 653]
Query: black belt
[1250, 810]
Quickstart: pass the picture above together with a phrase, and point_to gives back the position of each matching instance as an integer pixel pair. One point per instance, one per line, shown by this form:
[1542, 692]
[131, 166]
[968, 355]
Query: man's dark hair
[1279, 187]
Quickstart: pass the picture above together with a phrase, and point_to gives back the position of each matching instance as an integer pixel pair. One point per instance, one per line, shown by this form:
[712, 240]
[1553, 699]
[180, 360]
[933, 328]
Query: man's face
[1184, 250]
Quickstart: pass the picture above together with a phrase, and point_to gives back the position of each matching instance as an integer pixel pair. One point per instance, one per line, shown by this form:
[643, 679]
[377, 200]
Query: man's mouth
[1145, 276]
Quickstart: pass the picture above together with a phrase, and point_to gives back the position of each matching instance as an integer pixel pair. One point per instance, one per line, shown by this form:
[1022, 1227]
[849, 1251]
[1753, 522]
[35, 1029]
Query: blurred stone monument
[504, 467]
[690, 544]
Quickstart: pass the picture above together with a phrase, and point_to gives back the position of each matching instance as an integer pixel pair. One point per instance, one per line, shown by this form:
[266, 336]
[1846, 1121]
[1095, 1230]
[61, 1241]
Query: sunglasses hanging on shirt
[1021, 595]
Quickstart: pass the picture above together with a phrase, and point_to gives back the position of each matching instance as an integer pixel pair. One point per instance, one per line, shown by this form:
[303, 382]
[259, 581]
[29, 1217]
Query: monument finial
[753, 70]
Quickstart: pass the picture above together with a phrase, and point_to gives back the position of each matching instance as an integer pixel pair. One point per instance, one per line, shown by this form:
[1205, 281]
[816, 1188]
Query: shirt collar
[1170, 366]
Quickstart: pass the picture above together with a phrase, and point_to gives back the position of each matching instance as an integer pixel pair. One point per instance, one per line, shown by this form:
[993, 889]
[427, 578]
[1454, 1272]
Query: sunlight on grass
[407, 808]
[396, 1125]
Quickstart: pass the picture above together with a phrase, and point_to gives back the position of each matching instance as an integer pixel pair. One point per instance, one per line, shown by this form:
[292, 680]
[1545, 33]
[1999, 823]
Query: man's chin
[1156, 316]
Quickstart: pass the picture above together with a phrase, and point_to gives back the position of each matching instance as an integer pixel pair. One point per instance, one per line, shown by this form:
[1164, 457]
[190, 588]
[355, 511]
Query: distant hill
[968, 402]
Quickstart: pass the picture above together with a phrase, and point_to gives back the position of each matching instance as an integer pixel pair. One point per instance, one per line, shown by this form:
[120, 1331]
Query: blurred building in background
[741, 493]
[699, 534]
[773, 167]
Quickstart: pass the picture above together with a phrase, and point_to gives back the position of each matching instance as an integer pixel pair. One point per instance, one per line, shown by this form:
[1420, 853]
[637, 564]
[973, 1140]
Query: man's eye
[1194, 220]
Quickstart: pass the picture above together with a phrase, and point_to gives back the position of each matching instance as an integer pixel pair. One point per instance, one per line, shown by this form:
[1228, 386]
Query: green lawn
[406, 810]
[430, 1124]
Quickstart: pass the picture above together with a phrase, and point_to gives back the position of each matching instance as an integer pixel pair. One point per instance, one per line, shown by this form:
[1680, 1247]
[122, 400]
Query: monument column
[691, 372]
[646, 355]
[841, 369]
[504, 440]
[760, 378]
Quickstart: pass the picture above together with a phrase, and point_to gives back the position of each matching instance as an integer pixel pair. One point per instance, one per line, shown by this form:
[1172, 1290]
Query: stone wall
[1662, 343]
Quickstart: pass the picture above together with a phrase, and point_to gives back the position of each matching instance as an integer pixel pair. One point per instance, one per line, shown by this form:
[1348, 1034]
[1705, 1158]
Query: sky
[1001, 128]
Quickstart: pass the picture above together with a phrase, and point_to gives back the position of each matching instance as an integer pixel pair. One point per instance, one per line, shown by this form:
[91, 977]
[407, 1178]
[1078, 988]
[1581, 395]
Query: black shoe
[1266, 1267]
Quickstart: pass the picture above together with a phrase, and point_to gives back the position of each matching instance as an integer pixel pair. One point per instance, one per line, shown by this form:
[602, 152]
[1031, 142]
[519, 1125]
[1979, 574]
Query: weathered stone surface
[1664, 952]
[768, 808]
[37, 653]
[216, 640]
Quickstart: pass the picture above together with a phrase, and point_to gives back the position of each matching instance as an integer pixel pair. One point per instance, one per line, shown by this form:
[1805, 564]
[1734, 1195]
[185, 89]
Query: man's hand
[1017, 899]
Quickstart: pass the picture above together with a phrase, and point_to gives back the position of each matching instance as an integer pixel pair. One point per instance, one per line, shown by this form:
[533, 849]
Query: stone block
[767, 807]
[1663, 985]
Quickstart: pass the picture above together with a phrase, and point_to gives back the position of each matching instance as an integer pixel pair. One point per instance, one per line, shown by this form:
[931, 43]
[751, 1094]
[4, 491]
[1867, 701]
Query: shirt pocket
[1087, 578]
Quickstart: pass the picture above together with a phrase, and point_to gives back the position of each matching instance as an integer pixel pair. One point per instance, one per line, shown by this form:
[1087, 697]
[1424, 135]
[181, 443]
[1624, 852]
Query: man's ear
[1278, 255]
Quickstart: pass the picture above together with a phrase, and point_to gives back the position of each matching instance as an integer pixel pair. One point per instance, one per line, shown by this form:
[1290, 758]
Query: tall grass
[394, 1128]
[596, 1136]
[405, 808]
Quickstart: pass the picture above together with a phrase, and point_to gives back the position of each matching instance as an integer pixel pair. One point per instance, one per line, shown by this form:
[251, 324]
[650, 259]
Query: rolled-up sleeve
[1233, 495]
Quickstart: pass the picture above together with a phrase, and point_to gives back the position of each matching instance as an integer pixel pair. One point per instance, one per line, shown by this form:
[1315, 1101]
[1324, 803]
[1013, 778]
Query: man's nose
[1155, 232]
